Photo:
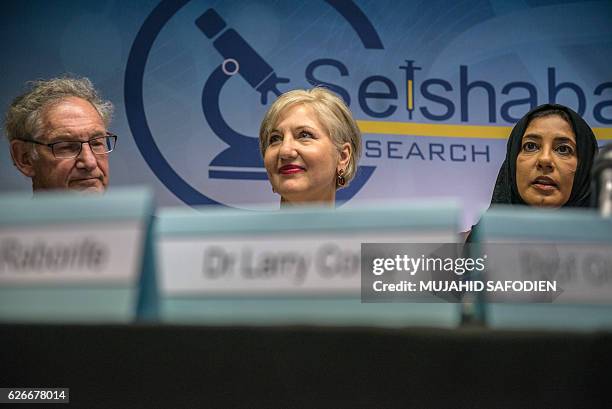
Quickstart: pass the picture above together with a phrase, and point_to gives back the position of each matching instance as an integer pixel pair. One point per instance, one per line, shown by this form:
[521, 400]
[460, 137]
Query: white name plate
[67, 257]
[83, 253]
[570, 250]
[266, 264]
[552, 272]
[292, 267]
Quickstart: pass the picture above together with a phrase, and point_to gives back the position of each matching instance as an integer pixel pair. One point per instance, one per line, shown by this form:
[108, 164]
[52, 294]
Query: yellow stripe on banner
[409, 93]
[603, 133]
[450, 131]
[453, 131]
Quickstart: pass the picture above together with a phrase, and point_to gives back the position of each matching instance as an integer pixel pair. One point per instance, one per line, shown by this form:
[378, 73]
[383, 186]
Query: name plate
[299, 266]
[572, 250]
[270, 264]
[557, 264]
[67, 257]
[550, 272]
[70, 253]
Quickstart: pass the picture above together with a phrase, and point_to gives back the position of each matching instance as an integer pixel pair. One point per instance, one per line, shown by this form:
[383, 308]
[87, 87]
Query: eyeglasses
[100, 145]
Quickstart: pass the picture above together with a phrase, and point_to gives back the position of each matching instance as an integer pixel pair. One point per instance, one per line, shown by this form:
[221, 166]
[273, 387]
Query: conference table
[190, 366]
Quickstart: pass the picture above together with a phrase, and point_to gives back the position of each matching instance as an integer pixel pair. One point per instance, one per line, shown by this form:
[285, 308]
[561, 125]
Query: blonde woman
[310, 145]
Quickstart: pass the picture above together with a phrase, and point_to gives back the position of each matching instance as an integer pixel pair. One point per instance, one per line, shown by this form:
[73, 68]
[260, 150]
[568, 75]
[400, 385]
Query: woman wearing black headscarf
[548, 161]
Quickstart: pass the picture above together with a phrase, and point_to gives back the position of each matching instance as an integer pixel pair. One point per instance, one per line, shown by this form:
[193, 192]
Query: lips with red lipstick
[545, 183]
[291, 169]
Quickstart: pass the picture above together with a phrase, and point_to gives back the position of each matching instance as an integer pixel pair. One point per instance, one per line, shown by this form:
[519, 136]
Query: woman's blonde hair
[331, 111]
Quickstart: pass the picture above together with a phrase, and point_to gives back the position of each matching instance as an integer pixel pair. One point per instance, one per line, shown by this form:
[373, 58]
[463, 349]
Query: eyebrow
[70, 138]
[555, 138]
[564, 139]
[299, 128]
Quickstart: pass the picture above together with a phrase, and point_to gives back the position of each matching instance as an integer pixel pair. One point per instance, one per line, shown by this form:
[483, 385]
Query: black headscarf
[506, 190]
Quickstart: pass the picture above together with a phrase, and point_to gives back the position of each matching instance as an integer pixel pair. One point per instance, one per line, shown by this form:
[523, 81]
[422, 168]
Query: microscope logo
[237, 59]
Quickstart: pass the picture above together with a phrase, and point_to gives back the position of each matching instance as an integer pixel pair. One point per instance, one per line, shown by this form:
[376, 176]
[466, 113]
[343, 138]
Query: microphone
[602, 180]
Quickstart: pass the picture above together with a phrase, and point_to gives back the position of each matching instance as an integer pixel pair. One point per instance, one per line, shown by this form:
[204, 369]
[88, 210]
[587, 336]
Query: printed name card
[72, 257]
[303, 263]
[230, 264]
[568, 250]
[562, 258]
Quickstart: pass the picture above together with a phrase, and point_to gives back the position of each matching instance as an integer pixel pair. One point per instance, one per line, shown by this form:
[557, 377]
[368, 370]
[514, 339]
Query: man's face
[72, 119]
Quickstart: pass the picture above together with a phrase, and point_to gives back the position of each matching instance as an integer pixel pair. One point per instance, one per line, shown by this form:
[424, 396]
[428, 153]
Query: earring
[340, 181]
[273, 190]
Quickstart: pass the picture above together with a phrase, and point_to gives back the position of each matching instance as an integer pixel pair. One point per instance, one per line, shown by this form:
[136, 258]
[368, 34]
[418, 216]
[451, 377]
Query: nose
[287, 149]
[86, 159]
[545, 161]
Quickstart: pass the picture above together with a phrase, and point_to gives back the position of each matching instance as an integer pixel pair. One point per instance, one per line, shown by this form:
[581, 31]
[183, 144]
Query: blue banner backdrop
[435, 85]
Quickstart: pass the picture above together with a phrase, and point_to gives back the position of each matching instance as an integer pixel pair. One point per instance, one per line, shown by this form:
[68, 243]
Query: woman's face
[301, 159]
[547, 162]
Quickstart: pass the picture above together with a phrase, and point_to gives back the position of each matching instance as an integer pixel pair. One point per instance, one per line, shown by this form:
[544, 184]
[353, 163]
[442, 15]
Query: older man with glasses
[58, 135]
